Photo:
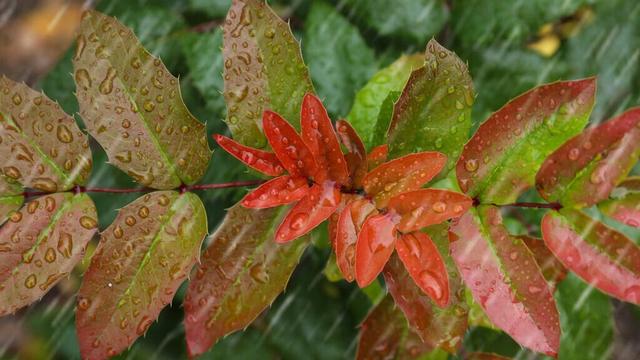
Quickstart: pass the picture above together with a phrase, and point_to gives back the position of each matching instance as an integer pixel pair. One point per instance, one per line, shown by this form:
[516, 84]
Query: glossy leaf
[11, 198]
[132, 105]
[384, 119]
[421, 208]
[141, 260]
[309, 212]
[601, 256]
[434, 110]
[42, 146]
[241, 273]
[377, 156]
[585, 169]
[499, 161]
[40, 244]
[403, 174]
[505, 280]
[263, 69]
[370, 98]
[262, 161]
[279, 191]
[425, 265]
[552, 269]
[350, 221]
[292, 152]
[625, 206]
[375, 245]
[356, 155]
[320, 137]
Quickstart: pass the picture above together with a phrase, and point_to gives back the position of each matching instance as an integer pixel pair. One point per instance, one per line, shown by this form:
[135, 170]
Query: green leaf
[141, 260]
[339, 59]
[263, 69]
[384, 119]
[213, 8]
[434, 110]
[40, 245]
[369, 100]
[11, 197]
[413, 20]
[42, 146]
[501, 159]
[241, 273]
[132, 105]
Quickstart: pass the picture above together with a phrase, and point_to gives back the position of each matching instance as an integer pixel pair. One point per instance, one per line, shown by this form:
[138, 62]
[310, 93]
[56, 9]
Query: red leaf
[505, 280]
[316, 207]
[598, 254]
[422, 259]
[585, 169]
[262, 161]
[288, 146]
[374, 247]
[377, 156]
[275, 192]
[349, 223]
[356, 155]
[421, 208]
[403, 174]
[552, 269]
[318, 134]
[624, 206]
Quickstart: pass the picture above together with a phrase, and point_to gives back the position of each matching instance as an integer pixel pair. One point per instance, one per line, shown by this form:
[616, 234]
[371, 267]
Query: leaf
[43, 147]
[349, 223]
[421, 208]
[599, 255]
[552, 269]
[241, 273]
[434, 109]
[259, 160]
[625, 207]
[356, 156]
[502, 157]
[369, 100]
[585, 169]
[384, 119]
[132, 105]
[385, 335]
[375, 245]
[267, 73]
[40, 245]
[279, 191]
[339, 59]
[505, 280]
[11, 198]
[141, 260]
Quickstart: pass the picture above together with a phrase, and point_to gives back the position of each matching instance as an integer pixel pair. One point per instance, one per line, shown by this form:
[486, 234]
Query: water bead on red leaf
[262, 161]
[279, 191]
[349, 223]
[377, 156]
[421, 208]
[356, 155]
[374, 247]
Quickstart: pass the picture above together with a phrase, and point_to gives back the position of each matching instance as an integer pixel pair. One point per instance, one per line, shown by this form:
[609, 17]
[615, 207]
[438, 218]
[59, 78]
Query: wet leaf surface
[11, 198]
[625, 206]
[262, 161]
[421, 208]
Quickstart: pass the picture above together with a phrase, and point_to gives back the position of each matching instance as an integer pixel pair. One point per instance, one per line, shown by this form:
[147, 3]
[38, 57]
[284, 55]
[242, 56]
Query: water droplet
[258, 274]
[143, 325]
[64, 134]
[439, 206]
[15, 216]
[149, 106]
[124, 156]
[298, 221]
[12, 172]
[534, 289]
[471, 165]
[17, 99]
[65, 244]
[84, 303]
[88, 222]
[50, 255]
[574, 154]
[428, 280]
[30, 281]
[45, 184]
[106, 86]
[50, 204]
[143, 212]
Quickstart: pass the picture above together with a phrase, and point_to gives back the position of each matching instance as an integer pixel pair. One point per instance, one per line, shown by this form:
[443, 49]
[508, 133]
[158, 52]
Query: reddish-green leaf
[356, 155]
[348, 226]
[552, 269]
[585, 169]
[40, 245]
[263, 69]
[403, 174]
[262, 161]
[279, 191]
[375, 245]
[424, 207]
[385, 334]
[443, 328]
[377, 156]
[319, 135]
[292, 152]
[42, 147]
[434, 109]
[132, 105]
[422, 260]
[141, 260]
[11, 197]
[241, 273]
[321, 201]
[503, 156]
[625, 206]
[505, 280]
[598, 254]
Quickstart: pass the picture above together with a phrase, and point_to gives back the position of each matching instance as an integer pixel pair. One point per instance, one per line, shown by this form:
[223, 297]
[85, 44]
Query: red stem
[554, 206]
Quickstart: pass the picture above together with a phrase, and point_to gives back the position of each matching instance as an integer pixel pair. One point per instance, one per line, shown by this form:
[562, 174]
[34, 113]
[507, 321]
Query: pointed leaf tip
[262, 161]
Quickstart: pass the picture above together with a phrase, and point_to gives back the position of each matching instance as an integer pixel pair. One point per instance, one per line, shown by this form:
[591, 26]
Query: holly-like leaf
[434, 110]
[132, 105]
[505, 280]
[369, 99]
[42, 146]
[11, 197]
[625, 208]
[585, 169]
[141, 260]
[241, 273]
[385, 334]
[421, 208]
[552, 269]
[600, 255]
[263, 69]
[501, 159]
[40, 245]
